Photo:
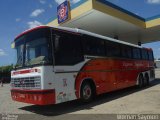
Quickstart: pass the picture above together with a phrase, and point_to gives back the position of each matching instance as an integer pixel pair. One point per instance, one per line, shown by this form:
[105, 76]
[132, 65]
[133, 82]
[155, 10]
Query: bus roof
[76, 30]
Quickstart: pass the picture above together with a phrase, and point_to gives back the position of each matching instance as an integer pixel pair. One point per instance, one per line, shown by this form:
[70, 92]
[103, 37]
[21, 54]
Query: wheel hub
[87, 92]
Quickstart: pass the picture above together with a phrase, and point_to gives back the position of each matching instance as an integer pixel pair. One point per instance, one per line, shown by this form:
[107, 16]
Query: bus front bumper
[37, 97]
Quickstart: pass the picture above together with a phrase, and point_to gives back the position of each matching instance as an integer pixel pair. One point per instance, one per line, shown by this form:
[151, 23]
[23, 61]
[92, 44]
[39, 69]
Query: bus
[60, 64]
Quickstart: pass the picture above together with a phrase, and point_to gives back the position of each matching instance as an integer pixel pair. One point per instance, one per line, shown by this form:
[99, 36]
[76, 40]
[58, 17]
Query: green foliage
[6, 68]
[5, 71]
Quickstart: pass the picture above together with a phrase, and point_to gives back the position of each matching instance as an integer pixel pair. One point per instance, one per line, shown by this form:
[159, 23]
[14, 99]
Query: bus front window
[37, 52]
[33, 48]
[19, 55]
[19, 47]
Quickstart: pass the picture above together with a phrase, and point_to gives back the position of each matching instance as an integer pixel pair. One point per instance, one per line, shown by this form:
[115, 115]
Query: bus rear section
[56, 65]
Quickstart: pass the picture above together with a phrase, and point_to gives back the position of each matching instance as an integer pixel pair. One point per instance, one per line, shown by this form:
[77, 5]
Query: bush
[5, 73]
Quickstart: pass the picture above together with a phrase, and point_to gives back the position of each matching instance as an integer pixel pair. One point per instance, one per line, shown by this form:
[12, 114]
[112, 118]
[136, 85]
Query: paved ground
[127, 101]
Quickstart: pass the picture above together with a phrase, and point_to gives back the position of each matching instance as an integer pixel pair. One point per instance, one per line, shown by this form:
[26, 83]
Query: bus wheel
[140, 81]
[146, 80]
[86, 92]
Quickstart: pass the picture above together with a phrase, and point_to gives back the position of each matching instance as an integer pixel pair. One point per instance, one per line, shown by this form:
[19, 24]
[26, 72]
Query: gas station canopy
[105, 18]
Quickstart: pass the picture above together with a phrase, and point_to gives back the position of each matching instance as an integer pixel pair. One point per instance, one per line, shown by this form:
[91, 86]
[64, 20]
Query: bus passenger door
[67, 58]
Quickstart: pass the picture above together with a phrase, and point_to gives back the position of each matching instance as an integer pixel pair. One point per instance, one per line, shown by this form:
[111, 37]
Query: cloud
[153, 1]
[72, 1]
[50, 6]
[59, 1]
[2, 52]
[37, 12]
[42, 1]
[18, 19]
[75, 1]
[33, 24]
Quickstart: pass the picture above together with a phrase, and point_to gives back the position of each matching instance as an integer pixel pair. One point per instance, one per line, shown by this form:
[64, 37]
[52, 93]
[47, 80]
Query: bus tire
[146, 80]
[140, 81]
[87, 92]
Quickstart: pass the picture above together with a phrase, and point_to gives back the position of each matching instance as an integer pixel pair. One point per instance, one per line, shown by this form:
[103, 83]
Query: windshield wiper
[28, 63]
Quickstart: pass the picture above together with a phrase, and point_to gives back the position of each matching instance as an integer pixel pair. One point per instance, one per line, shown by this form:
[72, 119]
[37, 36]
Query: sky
[19, 15]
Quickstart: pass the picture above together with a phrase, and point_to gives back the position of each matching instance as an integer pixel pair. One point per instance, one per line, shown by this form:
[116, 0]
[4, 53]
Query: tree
[5, 72]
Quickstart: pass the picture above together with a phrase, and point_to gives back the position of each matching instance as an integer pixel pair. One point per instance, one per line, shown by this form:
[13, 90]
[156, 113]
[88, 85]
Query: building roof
[105, 18]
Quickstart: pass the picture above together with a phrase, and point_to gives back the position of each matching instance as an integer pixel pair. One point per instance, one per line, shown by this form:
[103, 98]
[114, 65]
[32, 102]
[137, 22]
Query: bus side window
[150, 54]
[94, 46]
[123, 51]
[129, 52]
[144, 54]
[136, 53]
[113, 49]
[67, 49]
[126, 51]
[56, 43]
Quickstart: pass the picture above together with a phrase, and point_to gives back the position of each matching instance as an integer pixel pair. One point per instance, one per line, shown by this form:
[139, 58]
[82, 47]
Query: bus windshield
[33, 48]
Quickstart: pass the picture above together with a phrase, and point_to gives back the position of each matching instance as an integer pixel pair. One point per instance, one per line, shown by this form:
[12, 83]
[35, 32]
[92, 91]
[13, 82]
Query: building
[105, 18]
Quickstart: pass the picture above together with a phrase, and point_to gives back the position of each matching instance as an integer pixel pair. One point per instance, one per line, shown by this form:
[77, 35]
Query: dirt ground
[128, 101]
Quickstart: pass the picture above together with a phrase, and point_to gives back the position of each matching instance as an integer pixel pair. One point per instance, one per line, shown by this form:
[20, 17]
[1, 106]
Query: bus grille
[26, 83]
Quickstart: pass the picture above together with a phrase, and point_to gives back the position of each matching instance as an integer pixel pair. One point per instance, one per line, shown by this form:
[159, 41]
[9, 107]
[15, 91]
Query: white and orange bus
[57, 64]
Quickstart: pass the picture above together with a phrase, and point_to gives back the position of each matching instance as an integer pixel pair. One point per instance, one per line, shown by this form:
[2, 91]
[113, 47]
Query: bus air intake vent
[26, 83]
